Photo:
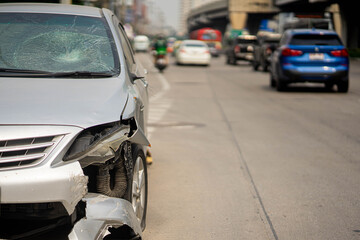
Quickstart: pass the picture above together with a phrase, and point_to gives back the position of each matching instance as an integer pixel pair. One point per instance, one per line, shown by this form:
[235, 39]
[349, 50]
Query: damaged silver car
[73, 125]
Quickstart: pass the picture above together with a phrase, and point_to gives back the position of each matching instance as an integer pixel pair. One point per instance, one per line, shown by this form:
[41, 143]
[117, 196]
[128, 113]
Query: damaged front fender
[99, 146]
[90, 148]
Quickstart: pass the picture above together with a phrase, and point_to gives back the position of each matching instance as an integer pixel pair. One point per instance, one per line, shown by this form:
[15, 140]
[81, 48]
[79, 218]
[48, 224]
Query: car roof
[310, 31]
[50, 8]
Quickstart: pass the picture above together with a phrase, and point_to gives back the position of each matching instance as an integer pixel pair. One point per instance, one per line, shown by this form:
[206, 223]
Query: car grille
[18, 153]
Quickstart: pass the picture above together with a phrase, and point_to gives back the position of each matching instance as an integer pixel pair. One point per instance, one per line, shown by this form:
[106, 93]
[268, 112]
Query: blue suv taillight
[288, 52]
[340, 53]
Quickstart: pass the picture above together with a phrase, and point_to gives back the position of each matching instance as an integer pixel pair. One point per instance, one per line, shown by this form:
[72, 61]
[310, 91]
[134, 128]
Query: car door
[136, 76]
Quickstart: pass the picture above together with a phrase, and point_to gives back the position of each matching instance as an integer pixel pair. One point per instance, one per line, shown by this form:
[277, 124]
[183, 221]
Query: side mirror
[135, 77]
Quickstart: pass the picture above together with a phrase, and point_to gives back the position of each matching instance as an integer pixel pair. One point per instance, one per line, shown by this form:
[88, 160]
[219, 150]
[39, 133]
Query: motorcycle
[161, 61]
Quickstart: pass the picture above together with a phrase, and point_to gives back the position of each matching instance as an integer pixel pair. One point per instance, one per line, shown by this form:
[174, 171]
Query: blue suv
[310, 55]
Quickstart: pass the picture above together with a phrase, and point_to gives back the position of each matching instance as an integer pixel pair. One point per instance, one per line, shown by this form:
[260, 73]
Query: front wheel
[139, 186]
[227, 59]
[264, 65]
[272, 82]
[255, 65]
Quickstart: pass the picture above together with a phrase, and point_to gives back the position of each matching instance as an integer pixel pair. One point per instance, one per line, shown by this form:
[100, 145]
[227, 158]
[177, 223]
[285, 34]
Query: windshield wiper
[9, 72]
[25, 71]
[83, 74]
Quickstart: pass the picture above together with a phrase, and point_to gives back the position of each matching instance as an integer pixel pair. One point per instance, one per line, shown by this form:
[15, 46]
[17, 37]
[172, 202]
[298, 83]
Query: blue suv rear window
[315, 39]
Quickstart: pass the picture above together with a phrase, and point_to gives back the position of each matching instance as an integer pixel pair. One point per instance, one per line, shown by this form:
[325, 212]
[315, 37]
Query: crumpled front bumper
[51, 180]
[106, 216]
[66, 184]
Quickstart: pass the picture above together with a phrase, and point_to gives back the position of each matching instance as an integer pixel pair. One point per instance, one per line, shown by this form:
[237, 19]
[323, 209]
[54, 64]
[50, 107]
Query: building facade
[240, 12]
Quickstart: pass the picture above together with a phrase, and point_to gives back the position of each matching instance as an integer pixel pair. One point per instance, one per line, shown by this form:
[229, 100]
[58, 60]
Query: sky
[171, 9]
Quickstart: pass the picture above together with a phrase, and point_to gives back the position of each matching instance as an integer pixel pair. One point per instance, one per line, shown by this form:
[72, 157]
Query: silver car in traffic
[73, 125]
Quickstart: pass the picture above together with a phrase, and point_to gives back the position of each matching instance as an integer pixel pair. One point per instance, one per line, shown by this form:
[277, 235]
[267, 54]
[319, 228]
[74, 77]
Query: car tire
[280, 85]
[264, 66]
[227, 60]
[272, 81]
[255, 65]
[343, 86]
[111, 179]
[233, 61]
[138, 185]
[329, 86]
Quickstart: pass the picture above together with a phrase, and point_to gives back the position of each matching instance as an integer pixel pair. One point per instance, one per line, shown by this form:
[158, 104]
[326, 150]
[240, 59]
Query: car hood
[76, 102]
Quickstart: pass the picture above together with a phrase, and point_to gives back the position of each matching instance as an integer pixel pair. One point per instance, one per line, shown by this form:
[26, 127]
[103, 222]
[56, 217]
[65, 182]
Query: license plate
[316, 56]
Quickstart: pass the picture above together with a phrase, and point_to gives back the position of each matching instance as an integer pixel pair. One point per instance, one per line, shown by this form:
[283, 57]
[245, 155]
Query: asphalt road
[234, 159]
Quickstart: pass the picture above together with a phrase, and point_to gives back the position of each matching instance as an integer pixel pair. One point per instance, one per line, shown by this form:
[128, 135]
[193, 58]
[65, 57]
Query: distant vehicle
[210, 36]
[193, 52]
[170, 44]
[241, 48]
[176, 47]
[310, 55]
[215, 52]
[268, 25]
[266, 44]
[141, 43]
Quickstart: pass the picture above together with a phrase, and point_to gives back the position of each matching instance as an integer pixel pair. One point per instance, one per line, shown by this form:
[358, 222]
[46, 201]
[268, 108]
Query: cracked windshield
[179, 119]
[55, 43]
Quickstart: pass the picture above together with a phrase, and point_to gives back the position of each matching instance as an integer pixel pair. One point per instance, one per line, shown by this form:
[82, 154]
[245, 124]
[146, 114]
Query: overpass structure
[220, 14]
[213, 14]
[239, 14]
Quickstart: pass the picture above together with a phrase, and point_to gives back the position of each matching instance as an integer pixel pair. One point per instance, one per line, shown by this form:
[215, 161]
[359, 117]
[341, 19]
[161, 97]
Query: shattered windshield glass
[56, 43]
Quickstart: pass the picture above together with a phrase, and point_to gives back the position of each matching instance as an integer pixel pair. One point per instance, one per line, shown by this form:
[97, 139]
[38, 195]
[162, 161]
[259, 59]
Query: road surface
[234, 159]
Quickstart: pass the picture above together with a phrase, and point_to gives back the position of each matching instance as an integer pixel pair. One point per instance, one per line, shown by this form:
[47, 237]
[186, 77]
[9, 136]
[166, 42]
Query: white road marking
[158, 104]
[165, 87]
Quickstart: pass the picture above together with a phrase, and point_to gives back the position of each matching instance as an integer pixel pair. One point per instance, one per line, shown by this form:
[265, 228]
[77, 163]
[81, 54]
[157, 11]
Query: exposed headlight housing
[98, 144]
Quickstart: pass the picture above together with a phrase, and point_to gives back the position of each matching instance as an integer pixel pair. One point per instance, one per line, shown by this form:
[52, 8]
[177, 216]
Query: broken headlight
[98, 144]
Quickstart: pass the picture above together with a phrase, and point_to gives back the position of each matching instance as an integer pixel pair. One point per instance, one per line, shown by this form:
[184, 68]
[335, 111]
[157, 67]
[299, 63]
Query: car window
[194, 45]
[271, 41]
[312, 39]
[56, 43]
[245, 41]
[126, 46]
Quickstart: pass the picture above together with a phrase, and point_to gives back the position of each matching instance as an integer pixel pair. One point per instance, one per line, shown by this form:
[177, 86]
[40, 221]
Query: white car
[141, 43]
[193, 52]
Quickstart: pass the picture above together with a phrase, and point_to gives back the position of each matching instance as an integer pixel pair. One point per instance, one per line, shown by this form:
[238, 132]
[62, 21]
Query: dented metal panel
[102, 213]
[101, 150]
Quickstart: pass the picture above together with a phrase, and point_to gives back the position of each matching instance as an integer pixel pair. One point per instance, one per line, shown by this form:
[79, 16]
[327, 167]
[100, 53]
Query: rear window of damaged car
[315, 39]
[197, 45]
[56, 43]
